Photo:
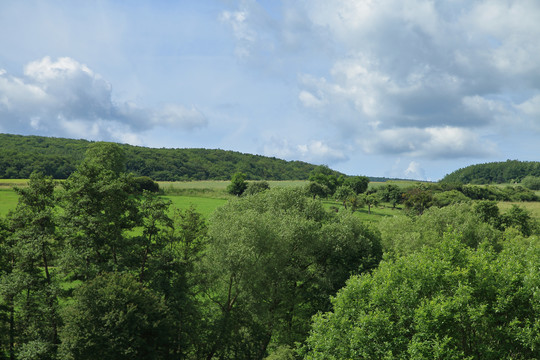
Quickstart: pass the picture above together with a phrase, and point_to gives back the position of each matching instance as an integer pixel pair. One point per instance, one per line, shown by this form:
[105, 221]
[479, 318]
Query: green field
[206, 196]
[532, 207]
[8, 200]
[9, 183]
[203, 205]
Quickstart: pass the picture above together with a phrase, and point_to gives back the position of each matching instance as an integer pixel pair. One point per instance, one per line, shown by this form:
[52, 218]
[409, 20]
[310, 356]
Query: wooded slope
[57, 157]
[508, 171]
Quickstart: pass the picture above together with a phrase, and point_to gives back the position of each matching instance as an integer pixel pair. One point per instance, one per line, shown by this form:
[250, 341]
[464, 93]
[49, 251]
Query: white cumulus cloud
[315, 151]
[66, 98]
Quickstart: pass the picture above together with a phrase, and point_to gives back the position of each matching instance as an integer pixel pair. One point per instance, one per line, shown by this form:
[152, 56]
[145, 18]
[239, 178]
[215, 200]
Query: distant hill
[21, 155]
[494, 173]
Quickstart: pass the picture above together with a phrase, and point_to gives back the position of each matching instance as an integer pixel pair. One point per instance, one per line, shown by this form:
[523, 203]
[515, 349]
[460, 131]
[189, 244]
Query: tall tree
[272, 261]
[97, 209]
[7, 311]
[155, 225]
[30, 286]
[114, 316]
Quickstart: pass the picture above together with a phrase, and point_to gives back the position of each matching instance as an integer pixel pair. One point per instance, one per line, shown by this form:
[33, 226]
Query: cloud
[66, 98]
[429, 143]
[279, 41]
[423, 78]
[315, 151]
[414, 171]
[245, 36]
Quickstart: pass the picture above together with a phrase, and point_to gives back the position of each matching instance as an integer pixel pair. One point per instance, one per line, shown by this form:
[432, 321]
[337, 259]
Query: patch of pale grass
[532, 206]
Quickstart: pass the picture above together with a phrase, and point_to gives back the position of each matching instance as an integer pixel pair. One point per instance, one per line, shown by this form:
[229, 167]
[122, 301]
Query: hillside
[494, 173]
[21, 155]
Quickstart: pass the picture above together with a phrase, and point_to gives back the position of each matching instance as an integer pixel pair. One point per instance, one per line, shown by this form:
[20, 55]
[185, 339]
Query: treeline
[56, 157]
[353, 192]
[510, 171]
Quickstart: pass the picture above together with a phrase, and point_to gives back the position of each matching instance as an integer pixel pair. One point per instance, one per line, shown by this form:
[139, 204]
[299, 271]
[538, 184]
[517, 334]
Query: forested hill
[21, 155]
[494, 173]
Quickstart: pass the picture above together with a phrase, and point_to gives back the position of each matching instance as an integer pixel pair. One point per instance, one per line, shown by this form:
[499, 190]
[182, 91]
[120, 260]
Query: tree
[155, 222]
[29, 286]
[531, 182]
[446, 198]
[391, 193]
[446, 302]
[316, 189]
[115, 317]
[142, 183]
[359, 184]
[190, 234]
[256, 187]
[369, 200]
[272, 261]
[238, 184]
[343, 193]
[7, 310]
[98, 207]
[417, 199]
[520, 219]
[488, 211]
[326, 177]
[402, 235]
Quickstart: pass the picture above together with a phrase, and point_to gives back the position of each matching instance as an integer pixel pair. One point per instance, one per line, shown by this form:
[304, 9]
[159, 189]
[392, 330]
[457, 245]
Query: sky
[395, 88]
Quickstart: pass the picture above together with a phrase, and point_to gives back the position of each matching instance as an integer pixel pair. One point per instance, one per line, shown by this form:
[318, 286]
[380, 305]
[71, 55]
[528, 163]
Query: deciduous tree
[98, 207]
[238, 184]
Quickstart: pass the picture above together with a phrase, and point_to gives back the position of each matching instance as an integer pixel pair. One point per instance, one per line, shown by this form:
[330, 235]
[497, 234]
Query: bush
[531, 182]
[256, 187]
[142, 183]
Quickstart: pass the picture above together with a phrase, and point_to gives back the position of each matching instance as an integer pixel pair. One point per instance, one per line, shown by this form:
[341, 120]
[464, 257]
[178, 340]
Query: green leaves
[447, 301]
[114, 317]
[272, 261]
[238, 184]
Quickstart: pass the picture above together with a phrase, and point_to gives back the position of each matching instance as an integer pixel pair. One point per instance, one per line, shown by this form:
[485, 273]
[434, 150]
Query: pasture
[206, 196]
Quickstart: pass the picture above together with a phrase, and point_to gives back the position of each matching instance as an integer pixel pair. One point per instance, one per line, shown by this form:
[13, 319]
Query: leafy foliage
[100, 267]
[22, 155]
[256, 187]
[531, 182]
[272, 261]
[445, 302]
[114, 317]
[238, 184]
[494, 173]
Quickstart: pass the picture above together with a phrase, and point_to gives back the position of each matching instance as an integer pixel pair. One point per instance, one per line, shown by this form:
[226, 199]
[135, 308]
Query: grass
[213, 188]
[206, 196]
[401, 183]
[532, 207]
[8, 200]
[203, 205]
[10, 183]
[376, 214]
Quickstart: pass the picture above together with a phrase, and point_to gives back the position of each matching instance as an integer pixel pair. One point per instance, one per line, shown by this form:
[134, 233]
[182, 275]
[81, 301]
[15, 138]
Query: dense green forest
[96, 267]
[57, 157]
[510, 171]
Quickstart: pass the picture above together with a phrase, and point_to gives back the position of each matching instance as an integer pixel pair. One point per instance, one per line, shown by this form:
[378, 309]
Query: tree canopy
[56, 157]
[509, 171]
[443, 302]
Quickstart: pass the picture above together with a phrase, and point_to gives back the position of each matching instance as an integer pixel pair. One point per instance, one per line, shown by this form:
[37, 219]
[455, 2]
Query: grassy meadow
[206, 196]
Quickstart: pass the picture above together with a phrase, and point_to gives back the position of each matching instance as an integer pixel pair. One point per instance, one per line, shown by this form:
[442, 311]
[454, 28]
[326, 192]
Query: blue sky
[395, 88]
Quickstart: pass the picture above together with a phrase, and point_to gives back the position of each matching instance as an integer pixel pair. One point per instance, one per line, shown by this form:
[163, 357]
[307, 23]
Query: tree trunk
[11, 329]
[52, 309]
